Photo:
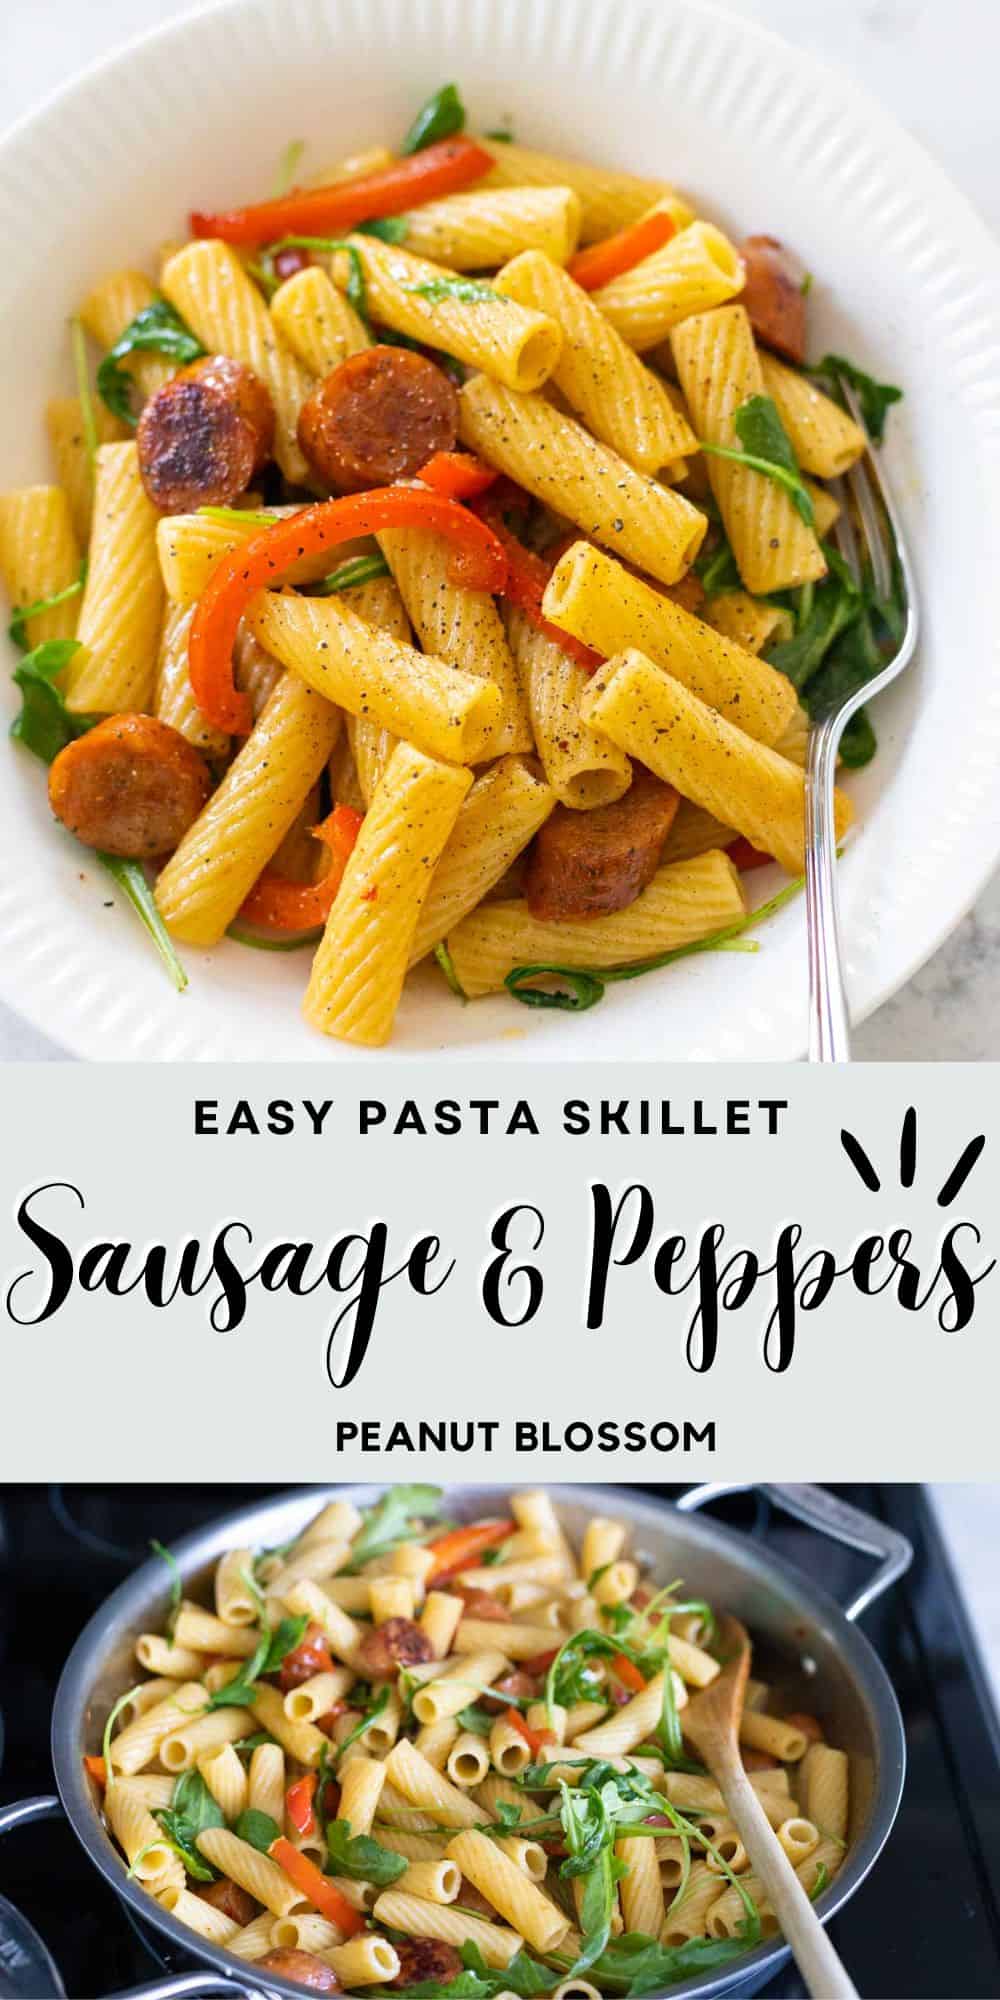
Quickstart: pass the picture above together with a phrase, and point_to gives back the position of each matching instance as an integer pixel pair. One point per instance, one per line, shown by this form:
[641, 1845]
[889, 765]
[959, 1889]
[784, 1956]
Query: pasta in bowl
[408, 1750]
[477, 520]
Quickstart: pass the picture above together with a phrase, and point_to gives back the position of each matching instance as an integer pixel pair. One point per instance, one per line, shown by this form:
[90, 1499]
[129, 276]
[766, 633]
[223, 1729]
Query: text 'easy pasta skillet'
[440, 568]
[406, 1752]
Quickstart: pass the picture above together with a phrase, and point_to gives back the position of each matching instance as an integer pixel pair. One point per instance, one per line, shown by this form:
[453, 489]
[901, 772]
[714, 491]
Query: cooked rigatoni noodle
[799, 1838]
[581, 1716]
[210, 289]
[226, 1778]
[825, 440]
[619, 399]
[825, 1789]
[396, 1811]
[371, 745]
[361, 1782]
[609, 200]
[560, 463]
[340, 1630]
[685, 901]
[153, 1789]
[689, 745]
[109, 309]
[301, 1740]
[145, 1696]
[794, 741]
[68, 440]
[516, 1641]
[434, 1881]
[509, 1889]
[162, 1656]
[182, 1747]
[211, 873]
[695, 831]
[461, 626]
[687, 1916]
[748, 621]
[478, 231]
[719, 370]
[369, 160]
[317, 1695]
[617, 1583]
[237, 1600]
[255, 1872]
[769, 1732]
[496, 820]
[603, 1541]
[434, 1740]
[414, 297]
[364, 1961]
[189, 546]
[201, 1629]
[418, 1781]
[313, 1563]
[829, 1856]
[541, 1716]
[305, 1930]
[119, 623]
[730, 1852]
[697, 269]
[151, 1858]
[640, 1889]
[39, 557]
[629, 1726]
[316, 321]
[417, 1918]
[413, 1561]
[435, 707]
[266, 1780]
[826, 507]
[602, 603]
[391, 1597]
[439, 1620]
[139, 1741]
[200, 1916]
[338, 1521]
[583, 768]
[173, 699]
[357, 975]
[509, 1752]
[459, 1684]
[693, 1664]
[253, 1942]
[467, 1762]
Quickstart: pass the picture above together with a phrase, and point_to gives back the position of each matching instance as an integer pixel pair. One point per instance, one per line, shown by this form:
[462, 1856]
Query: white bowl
[907, 280]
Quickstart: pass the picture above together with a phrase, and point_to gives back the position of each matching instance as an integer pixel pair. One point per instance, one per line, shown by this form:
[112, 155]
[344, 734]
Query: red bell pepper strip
[597, 266]
[317, 1888]
[458, 475]
[539, 1663]
[744, 856]
[96, 1768]
[299, 1803]
[262, 562]
[276, 904]
[527, 576]
[536, 1739]
[628, 1673]
[459, 1548]
[331, 211]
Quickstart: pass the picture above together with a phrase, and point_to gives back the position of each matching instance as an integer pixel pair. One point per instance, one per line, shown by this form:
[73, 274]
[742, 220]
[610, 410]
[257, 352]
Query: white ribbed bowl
[907, 279]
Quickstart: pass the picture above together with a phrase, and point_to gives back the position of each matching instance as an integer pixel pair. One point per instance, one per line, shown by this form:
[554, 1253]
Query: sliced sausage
[473, 1899]
[423, 1958]
[396, 1643]
[523, 1686]
[204, 435]
[757, 1760]
[303, 1968]
[233, 1901]
[132, 786]
[806, 1724]
[584, 864]
[380, 416]
[479, 1604]
[311, 1656]
[774, 297]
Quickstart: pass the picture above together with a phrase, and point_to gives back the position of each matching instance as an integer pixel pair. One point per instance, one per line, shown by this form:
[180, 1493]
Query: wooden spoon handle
[819, 1964]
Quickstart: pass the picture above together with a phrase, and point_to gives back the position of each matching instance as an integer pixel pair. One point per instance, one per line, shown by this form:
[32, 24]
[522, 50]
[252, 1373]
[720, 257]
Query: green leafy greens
[272, 1647]
[469, 290]
[358, 569]
[192, 1809]
[360, 1857]
[876, 398]
[767, 448]
[176, 1583]
[156, 329]
[440, 118]
[22, 612]
[390, 1521]
[257, 1828]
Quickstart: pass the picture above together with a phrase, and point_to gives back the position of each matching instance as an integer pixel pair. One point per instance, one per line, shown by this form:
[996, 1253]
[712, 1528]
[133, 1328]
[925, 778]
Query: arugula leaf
[767, 448]
[241, 515]
[122, 1702]
[635, 1964]
[356, 293]
[447, 965]
[192, 1808]
[469, 290]
[440, 118]
[358, 569]
[266, 1658]
[822, 1878]
[876, 398]
[241, 935]
[360, 1857]
[132, 882]
[836, 603]
[475, 1720]
[388, 228]
[258, 1828]
[176, 1583]
[523, 1975]
[502, 134]
[44, 724]
[17, 628]
[157, 329]
[595, 1913]
[78, 343]
[370, 1715]
[718, 570]
[388, 1523]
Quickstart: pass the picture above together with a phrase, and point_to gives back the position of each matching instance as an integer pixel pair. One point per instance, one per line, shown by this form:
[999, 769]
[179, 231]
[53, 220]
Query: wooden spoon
[711, 1723]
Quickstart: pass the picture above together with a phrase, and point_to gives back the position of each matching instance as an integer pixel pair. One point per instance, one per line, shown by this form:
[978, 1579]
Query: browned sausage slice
[774, 297]
[522, 1686]
[204, 435]
[311, 1656]
[303, 1968]
[132, 786]
[584, 864]
[422, 1958]
[396, 1643]
[380, 416]
[227, 1896]
[480, 1604]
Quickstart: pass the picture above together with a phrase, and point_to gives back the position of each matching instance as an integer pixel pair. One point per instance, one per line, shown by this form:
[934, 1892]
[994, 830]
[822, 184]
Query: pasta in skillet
[470, 476]
[401, 1751]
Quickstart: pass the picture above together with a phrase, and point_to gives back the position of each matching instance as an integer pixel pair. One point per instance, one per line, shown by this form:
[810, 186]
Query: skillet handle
[819, 1509]
[26, 1811]
[191, 1986]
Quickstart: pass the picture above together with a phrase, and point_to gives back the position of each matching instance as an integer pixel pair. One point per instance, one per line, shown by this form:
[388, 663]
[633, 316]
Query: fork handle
[829, 1022]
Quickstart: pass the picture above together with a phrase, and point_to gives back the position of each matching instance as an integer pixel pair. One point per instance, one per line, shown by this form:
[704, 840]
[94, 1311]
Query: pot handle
[192, 1986]
[820, 1509]
[26, 1811]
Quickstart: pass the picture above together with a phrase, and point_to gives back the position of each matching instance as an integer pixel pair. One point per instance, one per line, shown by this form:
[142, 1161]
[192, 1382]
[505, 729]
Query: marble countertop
[903, 51]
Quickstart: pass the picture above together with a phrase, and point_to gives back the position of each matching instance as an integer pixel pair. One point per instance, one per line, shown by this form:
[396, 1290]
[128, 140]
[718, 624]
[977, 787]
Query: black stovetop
[925, 1926]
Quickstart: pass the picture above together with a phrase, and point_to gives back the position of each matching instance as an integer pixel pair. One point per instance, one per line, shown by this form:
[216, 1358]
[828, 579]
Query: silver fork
[829, 1021]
